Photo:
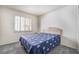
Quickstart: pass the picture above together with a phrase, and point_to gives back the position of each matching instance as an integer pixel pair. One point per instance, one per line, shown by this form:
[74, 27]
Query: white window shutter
[17, 23]
[23, 24]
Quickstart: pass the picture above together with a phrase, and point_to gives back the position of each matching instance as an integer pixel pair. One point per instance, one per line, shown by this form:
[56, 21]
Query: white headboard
[54, 30]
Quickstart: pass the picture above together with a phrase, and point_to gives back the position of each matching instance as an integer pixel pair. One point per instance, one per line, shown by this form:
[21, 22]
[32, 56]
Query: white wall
[8, 35]
[0, 23]
[64, 18]
[78, 28]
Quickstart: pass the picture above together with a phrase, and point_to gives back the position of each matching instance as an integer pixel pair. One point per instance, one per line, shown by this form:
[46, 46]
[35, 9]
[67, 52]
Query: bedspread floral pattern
[40, 43]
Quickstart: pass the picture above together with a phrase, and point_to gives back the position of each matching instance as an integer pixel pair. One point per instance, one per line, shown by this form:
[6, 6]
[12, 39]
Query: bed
[41, 43]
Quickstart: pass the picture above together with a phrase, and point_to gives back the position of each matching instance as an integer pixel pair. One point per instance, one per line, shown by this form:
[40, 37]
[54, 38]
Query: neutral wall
[78, 28]
[0, 23]
[64, 18]
[8, 35]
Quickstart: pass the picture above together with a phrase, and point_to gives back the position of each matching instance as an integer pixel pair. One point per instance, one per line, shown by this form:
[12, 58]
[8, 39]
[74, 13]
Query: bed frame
[55, 30]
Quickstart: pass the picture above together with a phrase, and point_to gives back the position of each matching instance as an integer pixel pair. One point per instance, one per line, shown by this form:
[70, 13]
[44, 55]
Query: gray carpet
[16, 48]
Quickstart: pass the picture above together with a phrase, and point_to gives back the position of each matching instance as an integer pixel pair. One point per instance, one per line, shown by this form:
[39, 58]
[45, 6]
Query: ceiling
[35, 9]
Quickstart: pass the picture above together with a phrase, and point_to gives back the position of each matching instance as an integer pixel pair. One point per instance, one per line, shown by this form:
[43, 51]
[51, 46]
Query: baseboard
[9, 43]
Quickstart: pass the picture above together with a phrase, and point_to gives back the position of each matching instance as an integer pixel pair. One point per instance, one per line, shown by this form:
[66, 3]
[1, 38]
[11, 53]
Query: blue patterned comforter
[40, 43]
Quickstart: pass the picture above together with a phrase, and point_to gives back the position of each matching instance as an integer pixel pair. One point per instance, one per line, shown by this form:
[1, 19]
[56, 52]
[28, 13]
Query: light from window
[23, 23]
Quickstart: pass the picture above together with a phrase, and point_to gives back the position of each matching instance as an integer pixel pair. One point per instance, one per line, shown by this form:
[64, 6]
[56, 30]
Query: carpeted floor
[16, 48]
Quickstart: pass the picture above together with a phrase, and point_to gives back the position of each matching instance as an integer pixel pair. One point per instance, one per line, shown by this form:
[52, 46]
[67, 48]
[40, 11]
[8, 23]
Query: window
[23, 23]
